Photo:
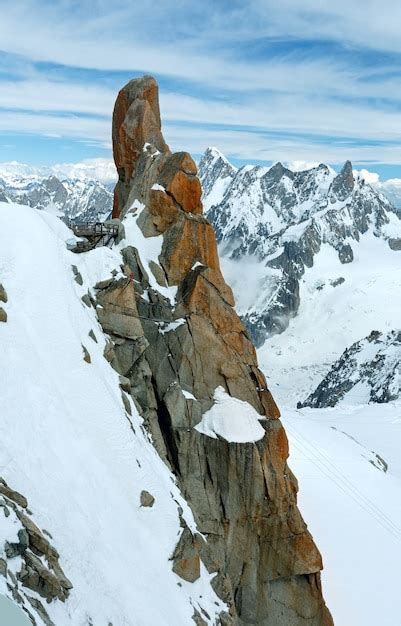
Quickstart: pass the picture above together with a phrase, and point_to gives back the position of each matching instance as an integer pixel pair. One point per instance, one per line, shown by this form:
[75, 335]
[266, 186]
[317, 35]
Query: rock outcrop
[368, 371]
[175, 337]
[29, 563]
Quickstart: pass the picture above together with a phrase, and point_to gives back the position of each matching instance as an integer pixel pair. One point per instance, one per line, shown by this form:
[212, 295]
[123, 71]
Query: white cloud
[99, 169]
[203, 50]
[254, 142]
[370, 177]
[315, 102]
[253, 146]
[390, 188]
[372, 24]
[299, 166]
[41, 94]
[93, 130]
[303, 122]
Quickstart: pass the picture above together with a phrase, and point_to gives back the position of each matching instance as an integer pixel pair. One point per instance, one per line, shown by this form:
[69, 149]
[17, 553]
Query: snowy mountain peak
[213, 154]
[99, 169]
[283, 217]
[277, 171]
[215, 172]
[343, 183]
[82, 199]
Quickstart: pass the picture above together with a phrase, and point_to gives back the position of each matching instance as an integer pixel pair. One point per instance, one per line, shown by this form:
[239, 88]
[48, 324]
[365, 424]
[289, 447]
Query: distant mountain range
[274, 222]
[294, 246]
[368, 371]
[77, 199]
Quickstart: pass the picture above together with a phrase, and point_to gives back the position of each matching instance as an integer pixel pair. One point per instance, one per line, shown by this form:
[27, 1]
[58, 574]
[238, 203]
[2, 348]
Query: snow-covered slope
[368, 371]
[273, 224]
[339, 305]
[68, 444]
[346, 458]
[216, 173]
[348, 463]
[78, 199]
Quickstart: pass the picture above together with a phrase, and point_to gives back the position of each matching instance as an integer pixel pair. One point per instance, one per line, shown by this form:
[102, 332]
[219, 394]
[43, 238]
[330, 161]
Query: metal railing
[83, 229]
[93, 234]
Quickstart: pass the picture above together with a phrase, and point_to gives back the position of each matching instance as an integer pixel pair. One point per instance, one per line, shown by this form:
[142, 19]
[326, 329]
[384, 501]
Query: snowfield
[68, 445]
[353, 505]
[333, 316]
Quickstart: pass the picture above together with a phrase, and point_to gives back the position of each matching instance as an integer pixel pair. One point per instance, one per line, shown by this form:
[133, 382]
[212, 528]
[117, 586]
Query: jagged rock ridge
[283, 218]
[30, 563]
[367, 371]
[76, 199]
[176, 339]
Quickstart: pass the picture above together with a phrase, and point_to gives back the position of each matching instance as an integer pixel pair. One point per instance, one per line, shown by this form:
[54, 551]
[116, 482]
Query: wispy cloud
[260, 79]
[88, 129]
[98, 169]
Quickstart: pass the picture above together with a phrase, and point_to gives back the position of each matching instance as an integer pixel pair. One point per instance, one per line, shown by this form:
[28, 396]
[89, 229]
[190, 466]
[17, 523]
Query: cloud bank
[260, 79]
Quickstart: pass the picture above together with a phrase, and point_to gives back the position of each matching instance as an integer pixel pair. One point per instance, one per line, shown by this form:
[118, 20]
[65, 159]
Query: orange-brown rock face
[136, 122]
[179, 178]
[243, 495]
[188, 241]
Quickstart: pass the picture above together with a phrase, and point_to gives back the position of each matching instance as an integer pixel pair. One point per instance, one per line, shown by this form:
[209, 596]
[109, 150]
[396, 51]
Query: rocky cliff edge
[187, 361]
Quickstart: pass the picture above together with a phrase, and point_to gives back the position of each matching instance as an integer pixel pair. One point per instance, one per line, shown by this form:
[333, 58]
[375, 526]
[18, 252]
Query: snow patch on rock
[232, 419]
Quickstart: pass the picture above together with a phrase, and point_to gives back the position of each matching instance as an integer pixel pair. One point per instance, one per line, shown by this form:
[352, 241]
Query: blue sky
[261, 80]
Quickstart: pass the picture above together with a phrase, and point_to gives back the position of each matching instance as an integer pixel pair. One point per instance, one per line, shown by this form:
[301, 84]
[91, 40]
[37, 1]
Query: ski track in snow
[353, 508]
[68, 446]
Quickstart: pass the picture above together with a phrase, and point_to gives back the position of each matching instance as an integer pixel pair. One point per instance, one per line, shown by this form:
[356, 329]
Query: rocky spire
[136, 124]
[343, 183]
[193, 356]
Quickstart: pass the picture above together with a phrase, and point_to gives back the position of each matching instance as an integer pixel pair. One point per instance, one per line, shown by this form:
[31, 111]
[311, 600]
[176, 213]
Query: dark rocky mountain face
[282, 218]
[183, 351]
[368, 371]
[83, 200]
